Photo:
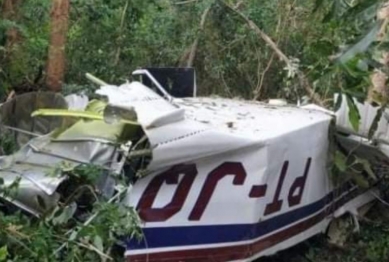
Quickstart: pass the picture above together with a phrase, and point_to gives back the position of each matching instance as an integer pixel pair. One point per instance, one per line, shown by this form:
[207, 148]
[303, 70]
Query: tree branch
[117, 56]
[193, 50]
[185, 2]
[259, 87]
[303, 81]
[238, 4]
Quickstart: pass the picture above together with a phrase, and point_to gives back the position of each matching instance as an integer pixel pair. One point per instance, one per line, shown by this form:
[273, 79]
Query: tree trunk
[56, 59]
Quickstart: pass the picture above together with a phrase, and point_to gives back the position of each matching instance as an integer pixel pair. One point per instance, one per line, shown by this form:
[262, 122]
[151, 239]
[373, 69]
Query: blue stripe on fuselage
[158, 237]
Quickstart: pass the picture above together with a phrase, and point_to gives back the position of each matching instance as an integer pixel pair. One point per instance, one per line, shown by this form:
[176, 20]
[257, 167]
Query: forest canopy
[330, 46]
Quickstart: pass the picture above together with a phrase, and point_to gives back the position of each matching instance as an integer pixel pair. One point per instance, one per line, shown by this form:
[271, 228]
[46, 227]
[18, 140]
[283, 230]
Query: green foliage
[110, 39]
[3, 253]
[7, 143]
[29, 53]
[87, 173]
[370, 245]
[63, 234]
[353, 113]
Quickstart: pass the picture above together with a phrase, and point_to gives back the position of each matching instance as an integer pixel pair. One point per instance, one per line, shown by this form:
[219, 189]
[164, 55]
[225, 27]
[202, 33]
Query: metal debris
[243, 179]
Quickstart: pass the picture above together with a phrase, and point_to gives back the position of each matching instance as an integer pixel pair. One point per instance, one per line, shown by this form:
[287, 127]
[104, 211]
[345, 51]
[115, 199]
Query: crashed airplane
[215, 179]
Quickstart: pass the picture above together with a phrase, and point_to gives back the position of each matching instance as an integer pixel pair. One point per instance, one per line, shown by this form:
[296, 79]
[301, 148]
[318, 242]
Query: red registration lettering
[170, 177]
[299, 185]
[229, 168]
[276, 205]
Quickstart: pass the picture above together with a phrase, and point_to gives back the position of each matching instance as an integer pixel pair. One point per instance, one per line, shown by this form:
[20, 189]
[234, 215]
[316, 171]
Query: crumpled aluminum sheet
[152, 110]
[192, 128]
[84, 142]
[35, 164]
[77, 102]
[17, 114]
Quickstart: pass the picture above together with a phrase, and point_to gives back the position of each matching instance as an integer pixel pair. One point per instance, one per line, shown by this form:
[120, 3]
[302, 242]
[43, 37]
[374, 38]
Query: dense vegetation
[112, 38]
[294, 49]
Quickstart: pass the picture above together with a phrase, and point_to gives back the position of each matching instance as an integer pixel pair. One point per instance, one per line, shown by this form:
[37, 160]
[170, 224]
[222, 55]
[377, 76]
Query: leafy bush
[68, 232]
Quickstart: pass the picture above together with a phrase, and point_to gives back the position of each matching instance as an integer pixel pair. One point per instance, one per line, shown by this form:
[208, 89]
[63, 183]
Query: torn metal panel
[17, 113]
[208, 123]
[273, 181]
[31, 186]
[225, 179]
[77, 102]
[152, 109]
[37, 163]
[273, 162]
[367, 113]
[38, 168]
